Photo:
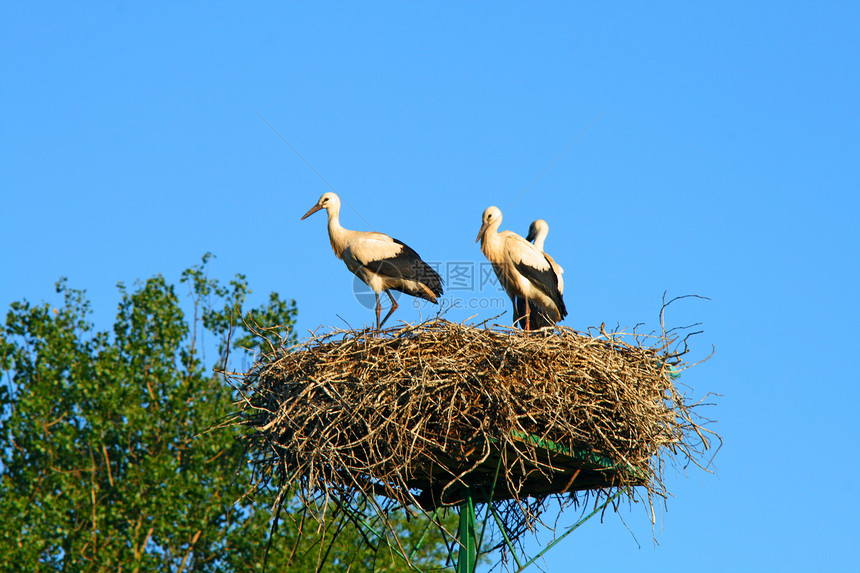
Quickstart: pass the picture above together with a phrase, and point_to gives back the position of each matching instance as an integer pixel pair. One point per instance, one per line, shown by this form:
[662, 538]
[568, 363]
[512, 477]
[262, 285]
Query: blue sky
[710, 149]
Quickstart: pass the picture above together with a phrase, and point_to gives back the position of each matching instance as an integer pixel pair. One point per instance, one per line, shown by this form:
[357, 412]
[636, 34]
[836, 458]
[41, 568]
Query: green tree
[116, 447]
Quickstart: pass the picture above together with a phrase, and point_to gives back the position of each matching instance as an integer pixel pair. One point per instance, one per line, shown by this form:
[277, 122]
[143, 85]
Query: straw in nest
[418, 413]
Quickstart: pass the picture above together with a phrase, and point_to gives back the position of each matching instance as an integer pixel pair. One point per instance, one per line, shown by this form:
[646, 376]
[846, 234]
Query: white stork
[381, 262]
[538, 231]
[523, 271]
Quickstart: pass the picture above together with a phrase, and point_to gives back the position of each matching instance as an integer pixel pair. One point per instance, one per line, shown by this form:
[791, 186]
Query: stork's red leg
[378, 311]
[393, 308]
[528, 327]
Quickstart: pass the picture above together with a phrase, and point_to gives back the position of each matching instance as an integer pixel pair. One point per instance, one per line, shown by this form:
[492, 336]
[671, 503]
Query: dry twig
[416, 413]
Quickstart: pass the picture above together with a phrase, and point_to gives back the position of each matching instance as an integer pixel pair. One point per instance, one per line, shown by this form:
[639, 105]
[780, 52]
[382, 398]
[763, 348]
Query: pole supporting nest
[469, 542]
[467, 535]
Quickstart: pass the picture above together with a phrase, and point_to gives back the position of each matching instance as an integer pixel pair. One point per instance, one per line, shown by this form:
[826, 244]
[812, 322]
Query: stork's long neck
[491, 242]
[336, 233]
[539, 239]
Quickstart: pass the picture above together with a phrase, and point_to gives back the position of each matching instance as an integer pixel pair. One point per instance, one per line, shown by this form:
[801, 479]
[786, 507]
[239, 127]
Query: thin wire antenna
[553, 162]
[296, 151]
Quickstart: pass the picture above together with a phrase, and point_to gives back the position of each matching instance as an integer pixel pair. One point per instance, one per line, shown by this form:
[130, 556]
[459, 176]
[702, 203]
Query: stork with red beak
[383, 263]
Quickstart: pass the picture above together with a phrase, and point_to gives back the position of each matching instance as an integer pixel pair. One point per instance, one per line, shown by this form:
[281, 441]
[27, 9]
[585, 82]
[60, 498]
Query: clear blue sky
[715, 151]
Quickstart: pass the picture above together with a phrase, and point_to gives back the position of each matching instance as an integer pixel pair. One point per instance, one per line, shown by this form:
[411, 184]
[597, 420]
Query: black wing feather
[546, 281]
[407, 264]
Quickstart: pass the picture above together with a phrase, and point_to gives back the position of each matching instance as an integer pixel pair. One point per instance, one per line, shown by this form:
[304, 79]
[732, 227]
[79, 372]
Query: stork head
[329, 201]
[491, 219]
[538, 228]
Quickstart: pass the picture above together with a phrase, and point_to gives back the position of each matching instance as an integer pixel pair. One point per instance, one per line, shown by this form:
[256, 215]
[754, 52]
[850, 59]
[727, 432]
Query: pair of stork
[531, 278]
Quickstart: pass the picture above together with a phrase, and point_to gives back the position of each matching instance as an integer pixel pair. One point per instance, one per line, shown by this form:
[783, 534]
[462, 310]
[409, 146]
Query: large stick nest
[418, 413]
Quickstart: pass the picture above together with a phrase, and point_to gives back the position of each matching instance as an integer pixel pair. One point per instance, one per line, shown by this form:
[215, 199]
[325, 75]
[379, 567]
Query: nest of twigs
[418, 413]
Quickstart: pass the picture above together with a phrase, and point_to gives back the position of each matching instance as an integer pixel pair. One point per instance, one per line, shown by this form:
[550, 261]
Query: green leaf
[113, 457]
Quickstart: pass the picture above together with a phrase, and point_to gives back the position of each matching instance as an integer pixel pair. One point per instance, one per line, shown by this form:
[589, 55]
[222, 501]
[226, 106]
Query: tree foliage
[114, 457]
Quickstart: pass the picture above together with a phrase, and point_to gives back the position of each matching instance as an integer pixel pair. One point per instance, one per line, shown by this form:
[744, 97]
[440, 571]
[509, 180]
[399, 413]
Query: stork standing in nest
[383, 263]
[538, 231]
[523, 270]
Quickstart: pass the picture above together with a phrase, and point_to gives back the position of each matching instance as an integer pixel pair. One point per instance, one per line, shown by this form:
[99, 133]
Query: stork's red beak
[481, 232]
[313, 210]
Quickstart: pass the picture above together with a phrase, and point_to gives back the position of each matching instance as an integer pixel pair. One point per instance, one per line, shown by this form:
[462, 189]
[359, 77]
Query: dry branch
[417, 413]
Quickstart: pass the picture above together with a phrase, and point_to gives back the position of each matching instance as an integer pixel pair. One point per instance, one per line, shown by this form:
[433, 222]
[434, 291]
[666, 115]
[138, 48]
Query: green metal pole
[467, 536]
